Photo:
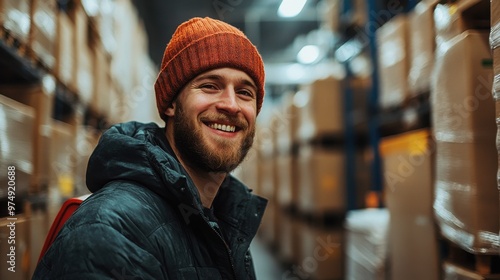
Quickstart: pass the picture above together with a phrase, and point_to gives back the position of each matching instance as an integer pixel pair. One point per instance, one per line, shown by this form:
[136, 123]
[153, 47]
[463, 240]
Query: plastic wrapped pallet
[408, 181]
[421, 47]
[44, 31]
[466, 195]
[393, 61]
[17, 122]
[17, 18]
[366, 244]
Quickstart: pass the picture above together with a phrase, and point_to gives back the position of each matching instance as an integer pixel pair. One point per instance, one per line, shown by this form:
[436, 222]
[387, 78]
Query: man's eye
[246, 93]
[208, 86]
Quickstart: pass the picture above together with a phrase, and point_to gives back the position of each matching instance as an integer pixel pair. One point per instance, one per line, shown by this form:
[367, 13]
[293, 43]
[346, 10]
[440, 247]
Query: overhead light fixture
[308, 54]
[291, 8]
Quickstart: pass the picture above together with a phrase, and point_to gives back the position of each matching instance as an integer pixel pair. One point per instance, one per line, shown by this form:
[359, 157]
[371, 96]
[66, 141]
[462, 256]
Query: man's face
[214, 119]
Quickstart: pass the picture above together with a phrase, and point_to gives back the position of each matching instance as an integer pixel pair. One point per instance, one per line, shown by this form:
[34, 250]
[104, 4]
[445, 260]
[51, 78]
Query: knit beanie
[200, 45]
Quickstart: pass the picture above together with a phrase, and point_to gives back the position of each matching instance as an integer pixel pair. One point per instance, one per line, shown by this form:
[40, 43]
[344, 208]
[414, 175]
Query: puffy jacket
[145, 220]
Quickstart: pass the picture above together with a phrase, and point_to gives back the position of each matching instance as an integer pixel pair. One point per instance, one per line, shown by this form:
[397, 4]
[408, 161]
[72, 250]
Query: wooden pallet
[481, 264]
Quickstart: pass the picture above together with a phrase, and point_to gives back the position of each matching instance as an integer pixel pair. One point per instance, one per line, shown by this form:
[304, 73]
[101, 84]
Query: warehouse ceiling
[272, 34]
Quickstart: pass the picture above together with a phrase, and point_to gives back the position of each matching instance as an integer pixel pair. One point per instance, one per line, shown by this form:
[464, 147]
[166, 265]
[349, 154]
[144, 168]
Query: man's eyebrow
[220, 78]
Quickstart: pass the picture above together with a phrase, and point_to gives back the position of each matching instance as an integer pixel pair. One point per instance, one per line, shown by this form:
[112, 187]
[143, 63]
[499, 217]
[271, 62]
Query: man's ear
[170, 111]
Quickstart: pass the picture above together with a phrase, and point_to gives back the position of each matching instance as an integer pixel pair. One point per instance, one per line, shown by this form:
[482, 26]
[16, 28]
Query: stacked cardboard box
[16, 143]
[393, 61]
[322, 110]
[40, 97]
[421, 47]
[17, 19]
[65, 59]
[321, 254]
[466, 195]
[43, 31]
[366, 244]
[408, 181]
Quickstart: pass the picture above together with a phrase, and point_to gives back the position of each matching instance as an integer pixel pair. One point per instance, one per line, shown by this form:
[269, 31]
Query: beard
[195, 150]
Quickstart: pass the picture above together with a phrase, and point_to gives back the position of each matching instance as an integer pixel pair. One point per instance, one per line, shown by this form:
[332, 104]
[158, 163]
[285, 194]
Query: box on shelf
[322, 180]
[408, 184]
[321, 112]
[65, 65]
[40, 97]
[452, 19]
[86, 141]
[393, 61]
[366, 244]
[17, 19]
[321, 254]
[421, 47]
[127, 36]
[62, 162]
[101, 76]
[466, 194]
[16, 142]
[462, 104]
[43, 31]
[286, 170]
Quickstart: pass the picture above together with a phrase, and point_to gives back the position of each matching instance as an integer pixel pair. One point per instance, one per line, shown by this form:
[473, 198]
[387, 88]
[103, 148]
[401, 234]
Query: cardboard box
[462, 104]
[65, 65]
[421, 47]
[287, 194]
[86, 141]
[454, 272]
[466, 195]
[16, 142]
[366, 244]
[62, 163]
[322, 112]
[495, 25]
[17, 19]
[452, 19]
[408, 184]
[40, 97]
[322, 180]
[322, 254]
[393, 61]
[43, 31]
[101, 76]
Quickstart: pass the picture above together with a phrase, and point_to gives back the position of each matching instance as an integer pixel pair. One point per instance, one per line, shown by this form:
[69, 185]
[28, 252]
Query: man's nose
[228, 101]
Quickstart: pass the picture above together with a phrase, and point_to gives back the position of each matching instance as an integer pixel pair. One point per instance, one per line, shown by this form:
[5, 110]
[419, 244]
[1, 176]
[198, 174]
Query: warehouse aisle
[266, 265]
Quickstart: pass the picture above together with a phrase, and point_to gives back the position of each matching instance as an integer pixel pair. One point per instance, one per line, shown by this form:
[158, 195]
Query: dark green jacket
[144, 219]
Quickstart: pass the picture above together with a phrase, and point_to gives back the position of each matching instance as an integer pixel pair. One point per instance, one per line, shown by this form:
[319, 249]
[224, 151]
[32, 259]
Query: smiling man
[164, 205]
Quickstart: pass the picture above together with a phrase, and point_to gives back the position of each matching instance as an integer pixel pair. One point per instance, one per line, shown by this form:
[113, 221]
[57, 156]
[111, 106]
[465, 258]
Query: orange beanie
[203, 44]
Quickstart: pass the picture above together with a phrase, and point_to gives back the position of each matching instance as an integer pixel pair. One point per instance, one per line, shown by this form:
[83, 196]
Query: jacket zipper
[228, 250]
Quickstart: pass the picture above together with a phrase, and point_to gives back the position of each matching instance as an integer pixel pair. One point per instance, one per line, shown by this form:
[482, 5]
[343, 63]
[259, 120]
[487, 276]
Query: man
[164, 205]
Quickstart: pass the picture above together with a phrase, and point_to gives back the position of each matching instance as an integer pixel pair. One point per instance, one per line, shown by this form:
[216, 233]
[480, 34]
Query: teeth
[223, 127]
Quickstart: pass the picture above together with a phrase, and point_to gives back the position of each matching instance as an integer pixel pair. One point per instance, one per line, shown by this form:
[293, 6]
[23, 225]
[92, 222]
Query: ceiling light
[291, 8]
[308, 54]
